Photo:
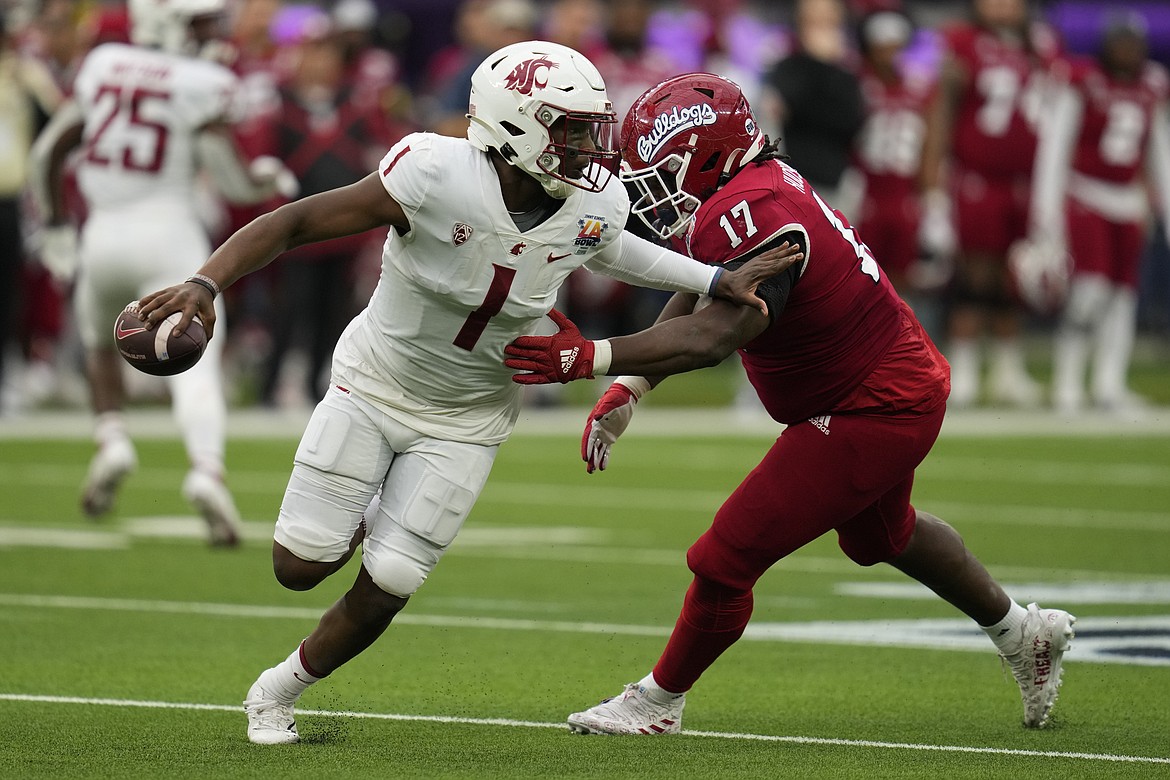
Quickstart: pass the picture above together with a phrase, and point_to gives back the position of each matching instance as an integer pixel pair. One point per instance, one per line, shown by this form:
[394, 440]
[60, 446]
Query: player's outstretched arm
[678, 345]
[344, 211]
[637, 261]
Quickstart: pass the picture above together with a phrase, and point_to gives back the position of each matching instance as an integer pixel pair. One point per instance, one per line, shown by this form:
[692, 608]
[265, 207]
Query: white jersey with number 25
[143, 109]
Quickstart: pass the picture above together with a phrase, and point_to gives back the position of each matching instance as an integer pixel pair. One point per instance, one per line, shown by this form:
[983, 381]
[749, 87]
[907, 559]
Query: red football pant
[1102, 247]
[856, 479]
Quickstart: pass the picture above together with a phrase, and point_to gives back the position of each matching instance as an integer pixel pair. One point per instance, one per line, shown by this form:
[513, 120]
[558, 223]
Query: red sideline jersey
[889, 156]
[994, 129]
[1116, 119]
[842, 320]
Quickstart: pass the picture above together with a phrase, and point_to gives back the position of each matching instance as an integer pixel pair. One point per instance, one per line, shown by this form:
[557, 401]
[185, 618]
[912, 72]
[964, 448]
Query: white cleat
[1045, 637]
[270, 721]
[112, 463]
[630, 712]
[214, 501]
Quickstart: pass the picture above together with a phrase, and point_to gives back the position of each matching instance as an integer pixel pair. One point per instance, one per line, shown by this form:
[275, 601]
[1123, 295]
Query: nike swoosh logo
[553, 258]
[124, 332]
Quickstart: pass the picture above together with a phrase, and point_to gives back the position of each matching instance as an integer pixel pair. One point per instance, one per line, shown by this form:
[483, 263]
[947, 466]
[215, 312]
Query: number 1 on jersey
[493, 302]
[868, 265]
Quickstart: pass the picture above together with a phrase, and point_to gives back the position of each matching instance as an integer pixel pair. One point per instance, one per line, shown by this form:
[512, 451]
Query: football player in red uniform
[1106, 133]
[889, 149]
[838, 358]
[991, 90]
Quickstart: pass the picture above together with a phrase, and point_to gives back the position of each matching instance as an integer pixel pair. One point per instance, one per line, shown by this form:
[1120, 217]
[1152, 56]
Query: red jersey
[994, 127]
[889, 148]
[842, 316]
[1115, 120]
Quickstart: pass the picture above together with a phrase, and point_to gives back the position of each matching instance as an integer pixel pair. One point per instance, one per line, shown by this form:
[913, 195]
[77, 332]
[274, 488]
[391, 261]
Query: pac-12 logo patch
[527, 75]
[592, 229]
[460, 233]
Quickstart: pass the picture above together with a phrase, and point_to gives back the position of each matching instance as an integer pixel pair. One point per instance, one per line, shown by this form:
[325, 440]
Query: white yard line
[511, 723]
[696, 422]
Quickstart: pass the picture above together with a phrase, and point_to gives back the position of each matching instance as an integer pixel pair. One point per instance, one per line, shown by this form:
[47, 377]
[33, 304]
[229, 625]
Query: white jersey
[461, 285]
[143, 109]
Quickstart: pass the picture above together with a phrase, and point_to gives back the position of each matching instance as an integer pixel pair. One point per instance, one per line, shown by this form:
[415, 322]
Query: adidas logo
[821, 423]
[568, 358]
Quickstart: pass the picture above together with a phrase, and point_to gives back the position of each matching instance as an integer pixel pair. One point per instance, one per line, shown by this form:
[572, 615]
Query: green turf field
[126, 646]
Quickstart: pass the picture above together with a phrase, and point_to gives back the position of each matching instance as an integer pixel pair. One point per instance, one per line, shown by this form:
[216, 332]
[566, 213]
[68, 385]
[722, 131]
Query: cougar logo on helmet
[524, 76]
[544, 108]
[667, 126]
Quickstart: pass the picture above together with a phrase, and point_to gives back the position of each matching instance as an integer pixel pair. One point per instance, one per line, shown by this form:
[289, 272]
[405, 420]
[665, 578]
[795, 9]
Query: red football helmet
[682, 141]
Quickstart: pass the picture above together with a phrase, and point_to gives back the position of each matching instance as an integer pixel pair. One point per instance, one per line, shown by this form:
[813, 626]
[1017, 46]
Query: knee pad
[396, 573]
[711, 560]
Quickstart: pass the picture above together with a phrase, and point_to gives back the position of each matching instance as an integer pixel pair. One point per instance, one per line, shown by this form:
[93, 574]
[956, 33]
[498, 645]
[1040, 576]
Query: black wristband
[206, 283]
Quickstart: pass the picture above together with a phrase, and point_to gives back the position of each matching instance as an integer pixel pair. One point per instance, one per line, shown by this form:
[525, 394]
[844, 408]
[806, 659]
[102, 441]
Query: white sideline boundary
[508, 722]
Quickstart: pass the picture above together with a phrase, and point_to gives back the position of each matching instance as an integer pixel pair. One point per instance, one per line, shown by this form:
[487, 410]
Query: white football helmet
[166, 24]
[520, 92]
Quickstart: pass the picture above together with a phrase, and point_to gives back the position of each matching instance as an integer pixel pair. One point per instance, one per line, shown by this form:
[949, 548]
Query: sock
[963, 355]
[655, 692]
[1087, 297]
[713, 617]
[1114, 346]
[290, 678]
[1005, 633]
[1008, 359]
[109, 427]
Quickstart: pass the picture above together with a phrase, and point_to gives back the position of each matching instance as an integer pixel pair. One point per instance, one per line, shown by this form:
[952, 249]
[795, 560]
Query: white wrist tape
[602, 357]
[637, 385]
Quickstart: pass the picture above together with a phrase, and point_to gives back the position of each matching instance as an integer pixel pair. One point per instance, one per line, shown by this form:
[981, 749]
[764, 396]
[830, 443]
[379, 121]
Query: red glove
[562, 357]
[606, 423]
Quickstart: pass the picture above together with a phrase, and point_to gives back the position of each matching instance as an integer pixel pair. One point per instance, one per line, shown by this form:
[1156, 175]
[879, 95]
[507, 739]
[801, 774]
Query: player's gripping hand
[191, 298]
[609, 419]
[561, 357]
[739, 286]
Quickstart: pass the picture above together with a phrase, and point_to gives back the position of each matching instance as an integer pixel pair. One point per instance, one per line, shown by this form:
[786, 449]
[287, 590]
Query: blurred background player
[839, 359]
[990, 91]
[28, 95]
[147, 117]
[889, 149]
[1107, 129]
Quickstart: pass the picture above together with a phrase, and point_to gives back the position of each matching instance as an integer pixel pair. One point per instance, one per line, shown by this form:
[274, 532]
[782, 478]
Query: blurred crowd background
[328, 87]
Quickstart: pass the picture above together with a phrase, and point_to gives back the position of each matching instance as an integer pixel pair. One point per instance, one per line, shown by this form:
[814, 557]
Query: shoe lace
[633, 706]
[269, 714]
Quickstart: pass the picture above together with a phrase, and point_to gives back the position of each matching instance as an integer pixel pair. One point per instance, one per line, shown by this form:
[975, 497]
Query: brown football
[159, 351]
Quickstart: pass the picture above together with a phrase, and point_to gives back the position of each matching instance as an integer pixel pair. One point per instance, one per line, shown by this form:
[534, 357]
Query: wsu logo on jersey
[667, 126]
[592, 229]
[460, 233]
[525, 75]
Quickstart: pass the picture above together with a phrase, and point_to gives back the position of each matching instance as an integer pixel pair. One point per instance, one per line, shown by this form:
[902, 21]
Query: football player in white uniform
[147, 117]
[483, 231]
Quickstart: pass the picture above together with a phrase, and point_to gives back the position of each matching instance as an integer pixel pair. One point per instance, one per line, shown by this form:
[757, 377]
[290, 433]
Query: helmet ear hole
[512, 129]
[711, 162]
